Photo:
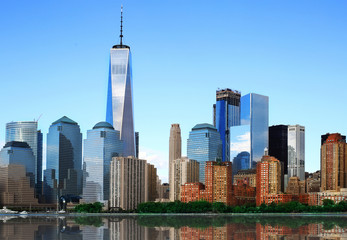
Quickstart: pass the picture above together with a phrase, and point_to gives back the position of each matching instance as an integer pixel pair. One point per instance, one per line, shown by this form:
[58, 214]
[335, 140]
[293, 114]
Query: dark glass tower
[119, 110]
[226, 114]
[64, 159]
[278, 144]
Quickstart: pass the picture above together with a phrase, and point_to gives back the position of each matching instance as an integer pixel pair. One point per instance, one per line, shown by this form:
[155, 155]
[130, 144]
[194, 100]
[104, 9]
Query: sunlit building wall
[296, 151]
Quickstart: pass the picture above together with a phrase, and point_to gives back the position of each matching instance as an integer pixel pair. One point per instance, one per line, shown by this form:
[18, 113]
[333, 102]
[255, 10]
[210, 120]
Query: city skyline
[292, 52]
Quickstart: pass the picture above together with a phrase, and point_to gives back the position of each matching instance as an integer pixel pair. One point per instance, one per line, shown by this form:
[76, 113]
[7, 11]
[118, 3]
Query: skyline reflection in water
[173, 228]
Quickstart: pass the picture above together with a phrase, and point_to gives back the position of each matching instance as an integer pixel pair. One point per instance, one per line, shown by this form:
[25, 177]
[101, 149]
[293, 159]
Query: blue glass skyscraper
[252, 135]
[226, 115]
[64, 158]
[119, 110]
[102, 143]
[204, 144]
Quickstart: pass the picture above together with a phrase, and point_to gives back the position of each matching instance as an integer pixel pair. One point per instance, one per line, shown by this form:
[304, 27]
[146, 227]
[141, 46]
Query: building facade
[19, 153]
[204, 144]
[151, 192]
[184, 171]
[119, 111]
[64, 159]
[102, 143]
[252, 135]
[127, 182]
[226, 114]
[334, 163]
[175, 146]
[26, 131]
[268, 179]
[249, 174]
[296, 151]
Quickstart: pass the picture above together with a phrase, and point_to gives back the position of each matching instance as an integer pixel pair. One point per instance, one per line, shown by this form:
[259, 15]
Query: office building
[268, 178]
[174, 148]
[184, 171]
[249, 174]
[19, 153]
[102, 143]
[26, 131]
[15, 187]
[278, 144]
[334, 163]
[119, 112]
[127, 182]
[296, 151]
[252, 135]
[151, 192]
[204, 144]
[64, 159]
[218, 187]
[226, 114]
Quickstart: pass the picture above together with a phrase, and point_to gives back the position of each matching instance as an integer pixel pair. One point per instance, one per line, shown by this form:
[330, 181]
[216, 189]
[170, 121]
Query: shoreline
[344, 214]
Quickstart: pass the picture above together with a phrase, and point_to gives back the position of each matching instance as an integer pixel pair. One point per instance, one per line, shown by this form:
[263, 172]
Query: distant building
[151, 192]
[19, 153]
[296, 151]
[102, 143]
[295, 186]
[252, 135]
[268, 178]
[313, 182]
[333, 163]
[137, 144]
[63, 174]
[26, 131]
[184, 171]
[249, 174]
[15, 189]
[226, 114]
[204, 144]
[127, 182]
[218, 187]
[175, 146]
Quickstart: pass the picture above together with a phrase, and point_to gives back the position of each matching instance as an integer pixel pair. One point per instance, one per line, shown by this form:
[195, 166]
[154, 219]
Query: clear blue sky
[54, 61]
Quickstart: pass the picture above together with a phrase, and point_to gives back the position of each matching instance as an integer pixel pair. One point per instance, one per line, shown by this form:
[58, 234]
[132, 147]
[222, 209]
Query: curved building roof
[16, 144]
[203, 126]
[103, 125]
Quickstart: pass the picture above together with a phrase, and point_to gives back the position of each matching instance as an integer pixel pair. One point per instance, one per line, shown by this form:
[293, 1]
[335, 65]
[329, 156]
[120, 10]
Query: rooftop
[65, 119]
[204, 126]
[103, 125]
[16, 144]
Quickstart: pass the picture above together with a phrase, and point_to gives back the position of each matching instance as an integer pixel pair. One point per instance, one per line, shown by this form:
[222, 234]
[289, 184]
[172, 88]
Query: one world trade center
[119, 110]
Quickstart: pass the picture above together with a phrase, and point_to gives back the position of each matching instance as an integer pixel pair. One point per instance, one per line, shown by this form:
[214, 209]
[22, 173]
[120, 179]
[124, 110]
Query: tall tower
[119, 110]
[204, 144]
[64, 159]
[26, 131]
[252, 135]
[333, 162]
[296, 151]
[226, 114]
[174, 148]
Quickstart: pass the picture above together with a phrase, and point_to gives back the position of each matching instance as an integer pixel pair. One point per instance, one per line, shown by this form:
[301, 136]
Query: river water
[173, 227]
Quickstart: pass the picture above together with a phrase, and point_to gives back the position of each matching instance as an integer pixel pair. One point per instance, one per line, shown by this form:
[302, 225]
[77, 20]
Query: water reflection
[173, 228]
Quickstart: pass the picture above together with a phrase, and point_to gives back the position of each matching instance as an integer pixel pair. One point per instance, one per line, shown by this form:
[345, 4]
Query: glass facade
[19, 153]
[64, 156]
[26, 131]
[204, 144]
[296, 151]
[226, 115]
[102, 143]
[119, 110]
[252, 136]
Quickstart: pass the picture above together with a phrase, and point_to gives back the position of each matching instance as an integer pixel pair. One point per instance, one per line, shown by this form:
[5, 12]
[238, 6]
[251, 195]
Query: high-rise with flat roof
[334, 163]
[175, 145]
[204, 144]
[252, 135]
[296, 151]
[226, 114]
[119, 111]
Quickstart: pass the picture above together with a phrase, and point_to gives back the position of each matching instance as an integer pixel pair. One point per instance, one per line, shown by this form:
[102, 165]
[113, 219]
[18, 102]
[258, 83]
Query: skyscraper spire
[121, 25]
